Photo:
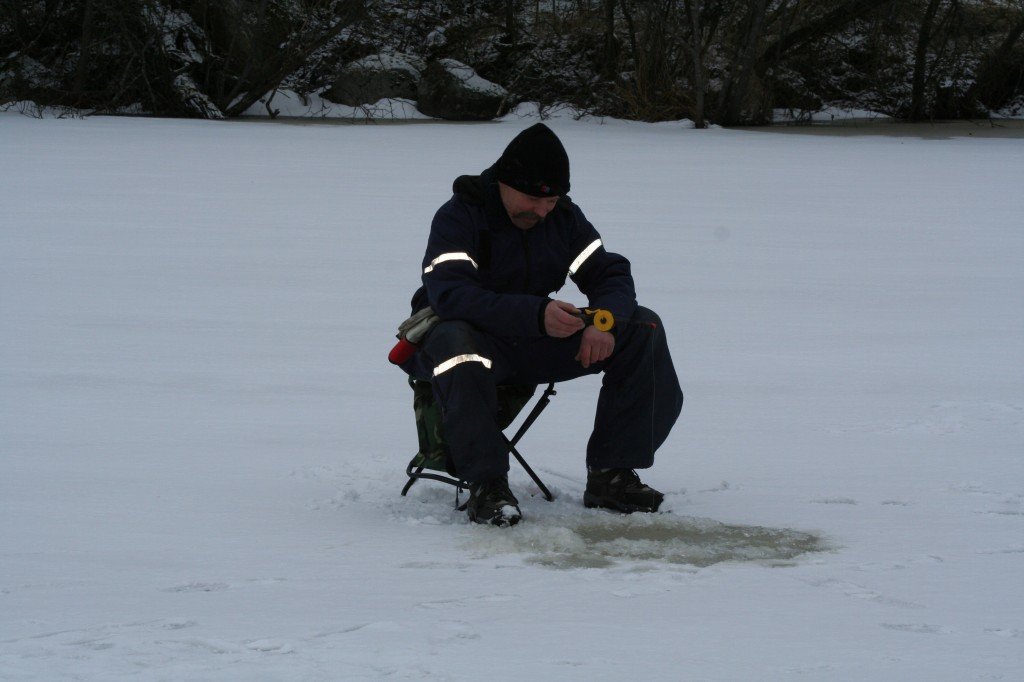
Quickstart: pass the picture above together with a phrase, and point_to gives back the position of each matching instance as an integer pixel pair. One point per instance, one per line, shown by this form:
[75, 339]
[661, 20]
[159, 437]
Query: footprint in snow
[467, 601]
[198, 587]
[1005, 632]
[220, 587]
[856, 591]
[270, 646]
[918, 628]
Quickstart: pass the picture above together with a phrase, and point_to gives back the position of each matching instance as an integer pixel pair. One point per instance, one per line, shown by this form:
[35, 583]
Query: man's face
[524, 210]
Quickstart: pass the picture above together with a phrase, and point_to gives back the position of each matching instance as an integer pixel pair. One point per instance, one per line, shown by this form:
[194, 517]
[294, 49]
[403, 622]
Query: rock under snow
[454, 91]
[376, 77]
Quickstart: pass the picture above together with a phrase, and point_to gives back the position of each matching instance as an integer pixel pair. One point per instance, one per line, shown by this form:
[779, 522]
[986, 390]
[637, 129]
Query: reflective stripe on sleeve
[584, 255]
[445, 257]
[458, 360]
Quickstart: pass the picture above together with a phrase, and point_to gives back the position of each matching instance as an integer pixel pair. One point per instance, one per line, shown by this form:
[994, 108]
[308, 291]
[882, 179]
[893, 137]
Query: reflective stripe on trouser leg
[458, 360]
[463, 369]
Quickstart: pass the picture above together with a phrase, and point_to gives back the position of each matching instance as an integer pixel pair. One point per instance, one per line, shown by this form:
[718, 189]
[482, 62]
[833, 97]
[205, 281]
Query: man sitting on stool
[507, 239]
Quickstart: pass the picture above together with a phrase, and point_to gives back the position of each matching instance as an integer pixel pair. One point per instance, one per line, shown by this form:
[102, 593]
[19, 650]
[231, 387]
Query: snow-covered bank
[202, 443]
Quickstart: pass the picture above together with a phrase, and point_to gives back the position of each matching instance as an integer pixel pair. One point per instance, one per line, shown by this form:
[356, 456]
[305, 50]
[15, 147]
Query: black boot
[492, 502]
[621, 490]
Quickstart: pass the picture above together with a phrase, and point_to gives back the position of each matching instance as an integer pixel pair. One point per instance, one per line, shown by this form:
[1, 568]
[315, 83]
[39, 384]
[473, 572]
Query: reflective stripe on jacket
[481, 268]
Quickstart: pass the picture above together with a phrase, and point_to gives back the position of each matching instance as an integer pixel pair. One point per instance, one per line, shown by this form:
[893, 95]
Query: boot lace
[627, 479]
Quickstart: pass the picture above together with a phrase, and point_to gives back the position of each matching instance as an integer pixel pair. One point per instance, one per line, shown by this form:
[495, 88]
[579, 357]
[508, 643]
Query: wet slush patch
[608, 540]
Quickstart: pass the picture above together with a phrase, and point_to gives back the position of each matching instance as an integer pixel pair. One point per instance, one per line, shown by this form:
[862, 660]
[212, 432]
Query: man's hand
[560, 320]
[595, 346]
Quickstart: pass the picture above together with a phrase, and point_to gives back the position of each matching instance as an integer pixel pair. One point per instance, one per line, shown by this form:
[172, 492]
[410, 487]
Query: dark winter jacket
[481, 268]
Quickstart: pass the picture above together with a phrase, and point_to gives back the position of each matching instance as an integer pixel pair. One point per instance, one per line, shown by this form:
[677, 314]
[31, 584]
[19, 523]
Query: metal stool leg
[416, 473]
[527, 423]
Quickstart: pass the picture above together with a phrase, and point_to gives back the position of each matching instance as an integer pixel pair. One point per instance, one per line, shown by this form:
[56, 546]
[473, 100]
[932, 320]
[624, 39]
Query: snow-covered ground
[202, 444]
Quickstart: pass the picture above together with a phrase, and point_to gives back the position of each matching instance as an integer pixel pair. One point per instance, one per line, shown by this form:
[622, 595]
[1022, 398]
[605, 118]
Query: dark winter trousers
[639, 402]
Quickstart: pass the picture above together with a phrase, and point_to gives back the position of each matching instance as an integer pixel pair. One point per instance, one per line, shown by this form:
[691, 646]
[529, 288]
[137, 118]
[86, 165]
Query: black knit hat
[535, 163]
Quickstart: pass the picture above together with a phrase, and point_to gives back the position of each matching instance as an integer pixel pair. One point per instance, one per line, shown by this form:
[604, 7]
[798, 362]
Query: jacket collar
[482, 190]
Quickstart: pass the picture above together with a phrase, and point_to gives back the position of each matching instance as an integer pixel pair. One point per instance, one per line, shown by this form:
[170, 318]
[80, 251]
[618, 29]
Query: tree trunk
[631, 25]
[84, 54]
[996, 69]
[733, 97]
[697, 57]
[924, 38]
[510, 21]
[610, 53]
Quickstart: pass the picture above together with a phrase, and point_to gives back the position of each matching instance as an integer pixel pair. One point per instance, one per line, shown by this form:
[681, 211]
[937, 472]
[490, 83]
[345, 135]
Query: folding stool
[433, 453]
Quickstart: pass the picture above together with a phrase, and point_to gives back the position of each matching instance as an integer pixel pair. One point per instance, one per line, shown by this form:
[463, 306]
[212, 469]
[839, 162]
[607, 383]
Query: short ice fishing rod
[599, 317]
[603, 319]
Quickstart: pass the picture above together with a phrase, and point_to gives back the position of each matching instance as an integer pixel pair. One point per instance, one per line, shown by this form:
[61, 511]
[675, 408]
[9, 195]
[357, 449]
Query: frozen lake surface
[202, 443]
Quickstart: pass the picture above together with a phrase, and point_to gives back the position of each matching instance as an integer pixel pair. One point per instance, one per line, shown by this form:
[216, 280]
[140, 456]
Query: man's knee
[454, 343]
[646, 317]
[646, 326]
[451, 336]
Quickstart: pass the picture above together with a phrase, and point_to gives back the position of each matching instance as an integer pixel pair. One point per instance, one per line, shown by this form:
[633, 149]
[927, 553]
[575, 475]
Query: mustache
[527, 214]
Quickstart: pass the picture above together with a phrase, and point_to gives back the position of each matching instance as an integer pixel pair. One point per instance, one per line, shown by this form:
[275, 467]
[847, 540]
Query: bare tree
[733, 97]
[924, 36]
[696, 46]
[1000, 73]
[255, 45]
[723, 61]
